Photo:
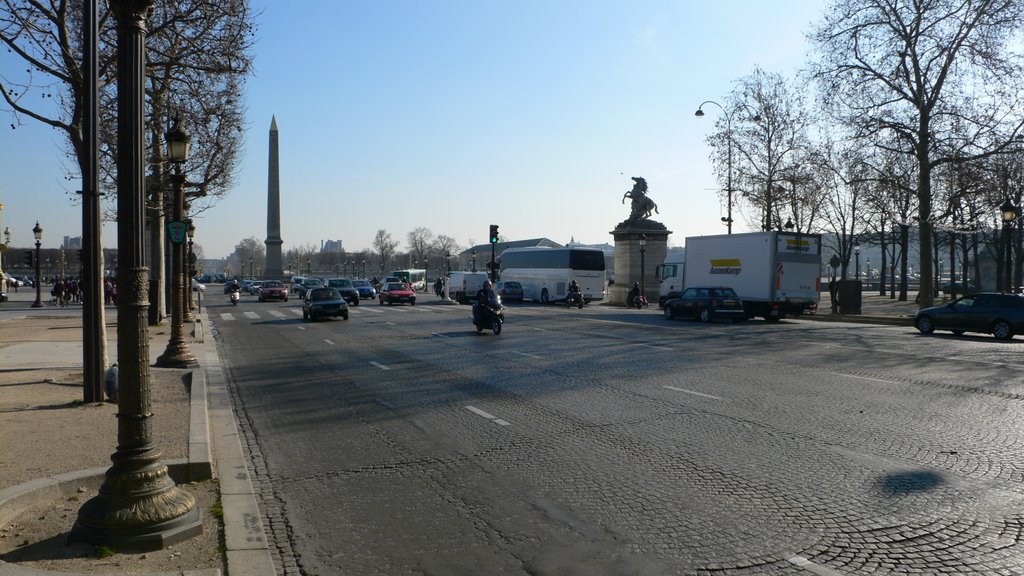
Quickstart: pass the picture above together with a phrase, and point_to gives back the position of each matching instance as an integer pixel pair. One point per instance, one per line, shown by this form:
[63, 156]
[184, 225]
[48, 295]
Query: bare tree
[419, 243]
[385, 247]
[907, 68]
[765, 145]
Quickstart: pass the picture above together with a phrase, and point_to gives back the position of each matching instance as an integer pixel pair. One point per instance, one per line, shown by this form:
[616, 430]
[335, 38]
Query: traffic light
[494, 233]
[28, 258]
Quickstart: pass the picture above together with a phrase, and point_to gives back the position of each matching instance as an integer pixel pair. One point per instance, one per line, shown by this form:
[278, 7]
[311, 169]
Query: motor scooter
[574, 299]
[235, 294]
[489, 316]
[637, 302]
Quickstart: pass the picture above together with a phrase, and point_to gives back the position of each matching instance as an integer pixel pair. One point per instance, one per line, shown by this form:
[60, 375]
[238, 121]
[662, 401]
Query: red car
[397, 292]
[273, 290]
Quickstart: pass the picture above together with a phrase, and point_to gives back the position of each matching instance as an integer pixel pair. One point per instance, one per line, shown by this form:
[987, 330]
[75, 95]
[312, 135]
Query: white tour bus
[545, 273]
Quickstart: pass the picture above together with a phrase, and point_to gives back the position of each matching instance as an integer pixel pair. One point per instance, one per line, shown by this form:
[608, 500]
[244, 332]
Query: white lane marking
[381, 366]
[488, 416]
[390, 323]
[297, 311]
[438, 335]
[328, 341]
[251, 315]
[301, 327]
[692, 392]
[812, 567]
[525, 354]
[227, 316]
[277, 313]
[480, 412]
[656, 347]
[863, 378]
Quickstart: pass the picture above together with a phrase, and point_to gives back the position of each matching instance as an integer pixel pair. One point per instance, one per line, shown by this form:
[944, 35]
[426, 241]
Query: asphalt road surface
[613, 441]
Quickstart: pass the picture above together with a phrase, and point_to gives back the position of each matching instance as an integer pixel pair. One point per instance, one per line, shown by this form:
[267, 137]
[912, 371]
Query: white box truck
[671, 274]
[775, 273]
[462, 286]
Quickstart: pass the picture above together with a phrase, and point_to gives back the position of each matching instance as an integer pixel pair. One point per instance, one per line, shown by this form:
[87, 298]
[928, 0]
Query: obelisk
[274, 265]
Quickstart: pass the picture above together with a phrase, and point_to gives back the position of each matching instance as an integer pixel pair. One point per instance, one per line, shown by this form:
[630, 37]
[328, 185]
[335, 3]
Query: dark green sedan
[323, 303]
[996, 313]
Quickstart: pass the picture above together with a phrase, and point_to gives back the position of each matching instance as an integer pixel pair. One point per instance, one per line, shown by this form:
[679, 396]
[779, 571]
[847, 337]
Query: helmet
[487, 283]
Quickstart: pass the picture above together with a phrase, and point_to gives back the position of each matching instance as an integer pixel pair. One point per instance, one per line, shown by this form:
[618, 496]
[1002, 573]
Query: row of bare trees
[425, 250]
[913, 134]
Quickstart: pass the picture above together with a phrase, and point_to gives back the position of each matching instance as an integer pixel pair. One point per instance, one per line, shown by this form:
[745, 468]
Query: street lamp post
[250, 268]
[473, 252]
[867, 275]
[856, 252]
[190, 266]
[309, 266]
[728, 186]
[177, 353]
[1008, 212]
[447, 276]
[138, 506]
[38, 233]
[643, 250]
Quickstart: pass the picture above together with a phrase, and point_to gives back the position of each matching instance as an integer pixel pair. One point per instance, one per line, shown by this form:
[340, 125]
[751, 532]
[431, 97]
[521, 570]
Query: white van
[464, 285]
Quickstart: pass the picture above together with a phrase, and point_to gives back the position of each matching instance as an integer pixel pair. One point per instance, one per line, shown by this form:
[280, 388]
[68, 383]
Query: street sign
[177, 230]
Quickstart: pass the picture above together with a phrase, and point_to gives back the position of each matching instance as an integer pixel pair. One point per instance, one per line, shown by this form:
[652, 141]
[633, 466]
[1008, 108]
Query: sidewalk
[56, 449]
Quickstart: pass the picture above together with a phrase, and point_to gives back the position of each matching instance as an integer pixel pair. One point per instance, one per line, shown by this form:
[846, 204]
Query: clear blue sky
[454, 115]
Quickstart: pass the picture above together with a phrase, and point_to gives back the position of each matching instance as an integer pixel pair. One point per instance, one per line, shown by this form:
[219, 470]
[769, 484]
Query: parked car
[365, 288]
[348, 291]
[510, 291]
[323, 302]
[273, 290]
[198, 286]
[996, 313]
[706, 303]
[397, 292]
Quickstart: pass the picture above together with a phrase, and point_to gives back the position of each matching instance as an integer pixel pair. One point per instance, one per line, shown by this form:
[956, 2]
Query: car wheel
[669, 314]
[305, 315]
[924, 325]
[381, 301]
[344, 316]
[355, 302]
[704, 315]
[544, 297]
[1001, 329]
[413, 303]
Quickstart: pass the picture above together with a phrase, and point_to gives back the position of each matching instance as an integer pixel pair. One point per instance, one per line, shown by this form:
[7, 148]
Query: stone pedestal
[632, 264]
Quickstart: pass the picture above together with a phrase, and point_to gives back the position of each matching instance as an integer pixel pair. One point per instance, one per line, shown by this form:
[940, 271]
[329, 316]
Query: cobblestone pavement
[605, 441]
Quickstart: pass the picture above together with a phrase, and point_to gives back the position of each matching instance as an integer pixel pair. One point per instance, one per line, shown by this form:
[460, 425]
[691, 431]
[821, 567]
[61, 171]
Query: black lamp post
[309, 266]
[728, 186]
[867, 275]
[138, 506]
[177, 353]
[643, 250]
[191, 267]
[473, 252]
[363, 262]
[1008, 212]
[38, 233]
[856, 252]
[250, 268]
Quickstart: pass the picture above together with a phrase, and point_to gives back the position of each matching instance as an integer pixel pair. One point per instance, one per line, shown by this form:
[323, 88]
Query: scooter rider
[634, 293]
[485, 297]
[574, 293]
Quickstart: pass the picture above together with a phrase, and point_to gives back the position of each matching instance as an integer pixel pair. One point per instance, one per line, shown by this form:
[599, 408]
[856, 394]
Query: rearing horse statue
[641, 206]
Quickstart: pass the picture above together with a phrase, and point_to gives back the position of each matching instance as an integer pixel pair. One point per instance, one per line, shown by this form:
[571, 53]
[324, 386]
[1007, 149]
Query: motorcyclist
[485, 297]
[574, 293]
[235, 287]
[634, 293]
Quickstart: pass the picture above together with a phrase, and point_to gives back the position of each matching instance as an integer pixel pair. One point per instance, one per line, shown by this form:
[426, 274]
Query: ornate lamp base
[138, 510]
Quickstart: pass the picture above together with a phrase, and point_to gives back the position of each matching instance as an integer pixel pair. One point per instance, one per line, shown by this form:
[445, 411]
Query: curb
[210, 418]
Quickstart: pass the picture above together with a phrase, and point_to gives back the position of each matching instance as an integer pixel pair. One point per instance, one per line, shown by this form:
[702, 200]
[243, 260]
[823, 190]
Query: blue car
[998, 314]
[366, 291]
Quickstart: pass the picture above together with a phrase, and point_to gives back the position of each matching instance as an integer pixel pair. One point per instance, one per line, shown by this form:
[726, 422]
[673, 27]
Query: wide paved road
[609, 441]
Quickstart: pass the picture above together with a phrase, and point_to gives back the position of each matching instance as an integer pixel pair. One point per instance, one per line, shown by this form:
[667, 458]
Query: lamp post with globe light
[177, 353]
[37, 231]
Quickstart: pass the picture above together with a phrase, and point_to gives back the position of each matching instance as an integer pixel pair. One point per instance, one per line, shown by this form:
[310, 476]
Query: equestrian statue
[641, 205]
